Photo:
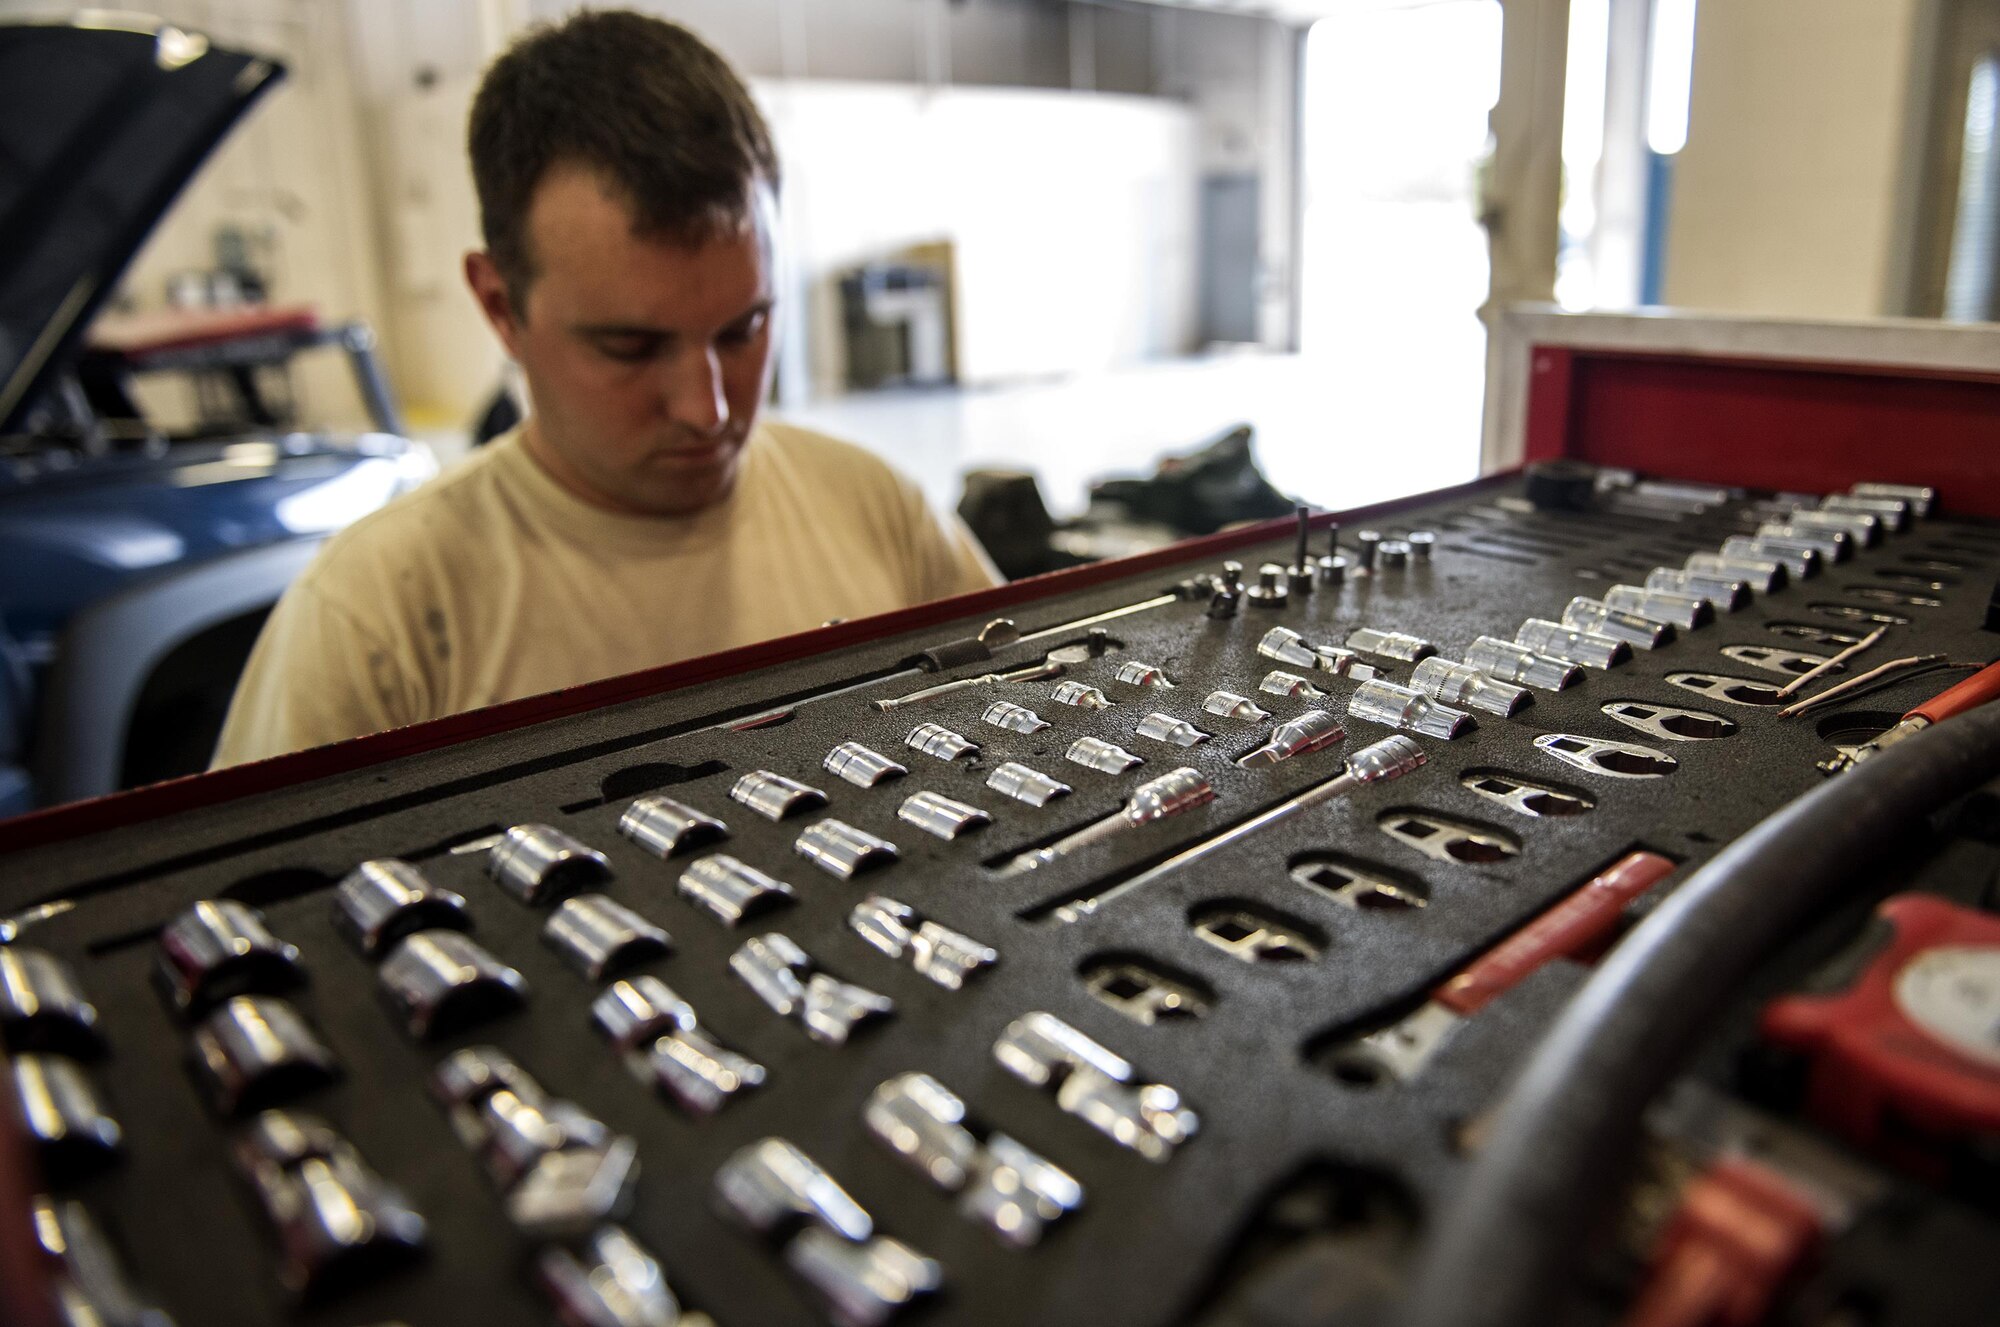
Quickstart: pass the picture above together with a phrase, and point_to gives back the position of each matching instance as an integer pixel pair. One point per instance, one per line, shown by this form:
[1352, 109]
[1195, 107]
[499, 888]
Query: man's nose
[693, 390]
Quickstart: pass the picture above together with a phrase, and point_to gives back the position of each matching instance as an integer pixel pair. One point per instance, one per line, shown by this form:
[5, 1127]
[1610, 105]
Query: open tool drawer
[1220, 1121]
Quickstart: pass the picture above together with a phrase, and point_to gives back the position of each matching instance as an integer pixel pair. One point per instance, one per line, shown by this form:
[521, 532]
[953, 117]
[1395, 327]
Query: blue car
[135, 569]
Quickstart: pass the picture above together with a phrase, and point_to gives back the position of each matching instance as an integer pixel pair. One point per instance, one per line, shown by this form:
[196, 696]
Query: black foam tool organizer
[1152, 1242]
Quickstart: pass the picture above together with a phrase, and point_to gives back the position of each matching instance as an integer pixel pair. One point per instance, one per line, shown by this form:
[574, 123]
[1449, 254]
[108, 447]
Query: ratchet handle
[941, 689]
[1973, 692]
[1573, 927]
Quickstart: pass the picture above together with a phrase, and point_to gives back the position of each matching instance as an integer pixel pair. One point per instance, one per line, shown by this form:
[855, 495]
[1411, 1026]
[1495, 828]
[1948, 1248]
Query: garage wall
[292, 176]
[1785, 199]
[352, 173]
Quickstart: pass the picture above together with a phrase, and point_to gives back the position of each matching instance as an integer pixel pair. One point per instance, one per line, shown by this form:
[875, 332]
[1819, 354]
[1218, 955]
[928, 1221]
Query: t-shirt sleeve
[946, 558]
[316, 675]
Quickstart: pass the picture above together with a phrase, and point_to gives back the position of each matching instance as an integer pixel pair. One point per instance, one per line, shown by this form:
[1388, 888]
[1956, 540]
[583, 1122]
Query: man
[641, 514]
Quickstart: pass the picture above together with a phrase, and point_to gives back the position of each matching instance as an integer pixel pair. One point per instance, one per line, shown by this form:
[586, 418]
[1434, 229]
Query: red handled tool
[1974, 691]
[1737, 1235]
[1574, 928]
[1912, 1046]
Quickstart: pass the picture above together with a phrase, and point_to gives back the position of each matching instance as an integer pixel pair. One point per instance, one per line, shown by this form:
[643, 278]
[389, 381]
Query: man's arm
[317, 675]
[945, 558]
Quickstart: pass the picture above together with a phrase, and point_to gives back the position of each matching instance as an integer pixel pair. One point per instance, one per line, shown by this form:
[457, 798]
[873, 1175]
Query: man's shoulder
[824, 459]
[405, 530]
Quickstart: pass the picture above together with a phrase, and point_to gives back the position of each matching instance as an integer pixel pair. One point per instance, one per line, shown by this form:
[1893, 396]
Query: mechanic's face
[647, 359]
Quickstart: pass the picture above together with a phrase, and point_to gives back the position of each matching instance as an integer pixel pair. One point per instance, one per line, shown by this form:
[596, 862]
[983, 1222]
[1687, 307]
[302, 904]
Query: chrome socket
[1462, 684]
[862, 766]
[255, 1051]
[843, 851]
[382, 901]
[1726, 594]
[1586, 614]
[1166, 728]
[1081, 696]
[59, 1111]
[783, 976]
[1014, 718]
[1229, 705]
[773, 796]
[442, 981]
[1422, 543]
[1400, 707]
[1832, 544]
[1920, 497]
[1505, 661]
[937, 952]
[1865, 528]
[1023, 784]
[1676, 610]
[1288, 646]
[609, 1278]
[1102, 756]
[1278, 682]
[1095, 1085]
[1284, 645]
[330, 1211]
[1579, 647]
[86, 1277]
[219, 948]
[771, 1186]
[1794, 561]
[667, 1047]
[632, 1012]
[1894, 513]
[42, 1008]
[730, 891]
[1135, 674]
[1390, 645]
[1315, 730]
[598, 936]
[539, 864]
[934, 739]
[1170, 794]
[940, 816]
[665, 827]
[1012, 1191]
[864, 1279]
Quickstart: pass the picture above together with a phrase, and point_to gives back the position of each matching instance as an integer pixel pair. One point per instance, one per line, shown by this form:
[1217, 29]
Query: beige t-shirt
[493, 582]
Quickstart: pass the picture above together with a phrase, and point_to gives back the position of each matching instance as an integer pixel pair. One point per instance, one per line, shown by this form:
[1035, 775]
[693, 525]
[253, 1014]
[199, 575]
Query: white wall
[354, 165]
[292, 174]
[1071, 216]
[1785, 198]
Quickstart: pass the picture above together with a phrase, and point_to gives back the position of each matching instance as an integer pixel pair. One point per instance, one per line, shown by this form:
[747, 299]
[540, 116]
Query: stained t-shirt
[494, 582]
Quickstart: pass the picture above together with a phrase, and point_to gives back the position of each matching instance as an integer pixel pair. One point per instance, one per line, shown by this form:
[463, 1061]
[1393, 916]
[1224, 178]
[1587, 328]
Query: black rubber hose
[1503, 1254]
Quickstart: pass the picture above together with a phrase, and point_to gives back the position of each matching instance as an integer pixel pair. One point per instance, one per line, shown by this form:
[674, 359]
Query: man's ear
[495, 300]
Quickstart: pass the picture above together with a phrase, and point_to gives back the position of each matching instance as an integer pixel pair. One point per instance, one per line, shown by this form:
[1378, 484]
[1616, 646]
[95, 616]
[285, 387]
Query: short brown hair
[645, 103]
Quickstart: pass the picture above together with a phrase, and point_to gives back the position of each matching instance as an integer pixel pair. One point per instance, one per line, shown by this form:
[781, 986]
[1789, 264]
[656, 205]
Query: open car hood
[104, 117]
